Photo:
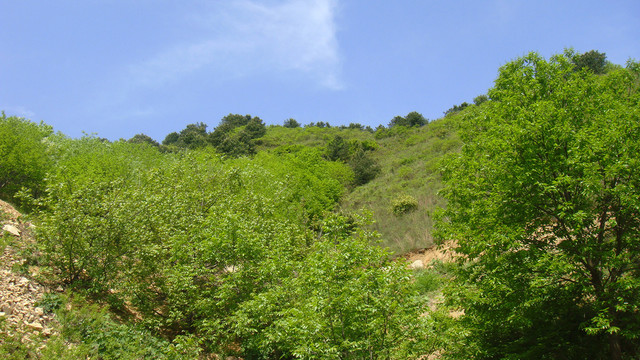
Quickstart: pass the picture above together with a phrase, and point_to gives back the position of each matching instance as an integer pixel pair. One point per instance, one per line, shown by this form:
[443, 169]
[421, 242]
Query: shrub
[427, 280]
[403, 205]
[23, 156]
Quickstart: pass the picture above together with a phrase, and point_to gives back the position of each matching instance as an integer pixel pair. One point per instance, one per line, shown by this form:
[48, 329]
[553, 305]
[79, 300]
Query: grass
[409, 162]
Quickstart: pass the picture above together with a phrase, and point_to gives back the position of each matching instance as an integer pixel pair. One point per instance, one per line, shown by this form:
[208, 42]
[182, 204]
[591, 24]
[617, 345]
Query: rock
[11, 229]
[39, 311]
[7, 309]
[418, 264]
[35, 325]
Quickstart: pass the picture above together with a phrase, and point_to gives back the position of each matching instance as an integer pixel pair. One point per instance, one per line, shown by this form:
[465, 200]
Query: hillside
[291, 242]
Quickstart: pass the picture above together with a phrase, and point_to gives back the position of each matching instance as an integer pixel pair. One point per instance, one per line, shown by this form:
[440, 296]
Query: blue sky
[121, 67]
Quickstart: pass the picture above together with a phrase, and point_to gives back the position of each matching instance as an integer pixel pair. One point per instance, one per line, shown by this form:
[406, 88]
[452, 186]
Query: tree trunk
[615, 348]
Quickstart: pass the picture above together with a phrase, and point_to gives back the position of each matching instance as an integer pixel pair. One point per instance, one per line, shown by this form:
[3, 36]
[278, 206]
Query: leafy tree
[193, 136]
[414, 118]
[456, 108]
[291, 123]
[593, 60]
[255, 128]
[480, 99]
[236, 135]
[543, 201]
[337, 149]
[24, 158]
[171, 139]
[144, 139]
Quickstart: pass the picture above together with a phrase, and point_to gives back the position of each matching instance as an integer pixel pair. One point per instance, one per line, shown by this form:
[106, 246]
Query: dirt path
[18, 293]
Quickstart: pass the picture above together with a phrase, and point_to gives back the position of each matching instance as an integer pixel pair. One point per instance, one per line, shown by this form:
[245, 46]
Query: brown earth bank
[423, 258]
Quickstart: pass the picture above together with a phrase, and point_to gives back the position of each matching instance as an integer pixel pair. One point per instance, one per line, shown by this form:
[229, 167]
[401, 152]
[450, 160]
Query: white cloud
[249, 36]
[19, 111]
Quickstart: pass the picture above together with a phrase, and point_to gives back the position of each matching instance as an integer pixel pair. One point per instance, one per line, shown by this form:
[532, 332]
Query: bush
[364, 168]
[404, 205]
[23, 156]
[94, 334]
[345, 300]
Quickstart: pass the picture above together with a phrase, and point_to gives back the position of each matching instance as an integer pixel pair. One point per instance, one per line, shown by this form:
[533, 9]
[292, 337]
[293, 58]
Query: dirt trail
[19, 293]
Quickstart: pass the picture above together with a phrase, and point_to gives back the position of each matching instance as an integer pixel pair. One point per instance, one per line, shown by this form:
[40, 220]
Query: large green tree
[544, 201]
[236, 135]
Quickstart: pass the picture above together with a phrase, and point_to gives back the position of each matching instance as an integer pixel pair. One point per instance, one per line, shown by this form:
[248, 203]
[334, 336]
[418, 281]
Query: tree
[480, 99]
[543, 201]
[171, 138]
[456, 108]
[144, 139]
[413, 118]
[291, 123]
[236, 135]
[591, 60]
[337, 149]
[193, 136]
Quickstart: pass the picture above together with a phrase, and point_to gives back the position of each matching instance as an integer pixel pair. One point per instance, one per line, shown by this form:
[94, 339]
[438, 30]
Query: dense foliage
[23, 156]
[239, 254]
[543, 201]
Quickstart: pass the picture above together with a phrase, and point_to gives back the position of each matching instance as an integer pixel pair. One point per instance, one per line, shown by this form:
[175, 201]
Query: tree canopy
[413, 118]
[593, 60]
[236, 134]
[544, 202]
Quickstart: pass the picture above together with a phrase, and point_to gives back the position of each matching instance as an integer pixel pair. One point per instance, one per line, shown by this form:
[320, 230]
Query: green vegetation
[23, 156]
[543, 201]
[284, 242]
[414, 118]
[404, 204]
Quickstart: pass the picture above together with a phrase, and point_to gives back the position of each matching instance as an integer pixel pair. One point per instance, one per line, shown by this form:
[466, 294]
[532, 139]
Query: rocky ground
[19, 293]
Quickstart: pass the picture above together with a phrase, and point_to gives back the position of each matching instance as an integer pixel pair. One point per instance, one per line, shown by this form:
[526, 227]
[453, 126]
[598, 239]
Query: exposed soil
[422, 258]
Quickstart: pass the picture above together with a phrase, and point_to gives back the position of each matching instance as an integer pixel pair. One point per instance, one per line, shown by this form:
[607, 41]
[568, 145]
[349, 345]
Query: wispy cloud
[249, 36]
[19, 111]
